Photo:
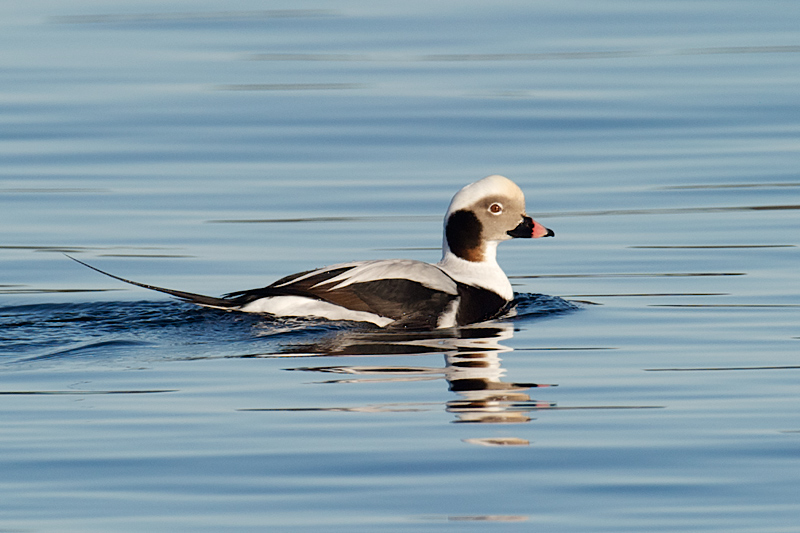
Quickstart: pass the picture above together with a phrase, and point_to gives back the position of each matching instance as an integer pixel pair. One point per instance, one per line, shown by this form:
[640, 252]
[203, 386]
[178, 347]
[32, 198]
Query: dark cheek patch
[463, 234]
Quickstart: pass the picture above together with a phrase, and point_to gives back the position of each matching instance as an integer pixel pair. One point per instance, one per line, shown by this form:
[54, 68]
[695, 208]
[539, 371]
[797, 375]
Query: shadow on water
[472, 368]
[108, 330]
[145, 331]
[71, 330]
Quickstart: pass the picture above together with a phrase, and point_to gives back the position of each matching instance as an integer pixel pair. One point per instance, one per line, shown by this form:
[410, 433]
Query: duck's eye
[496, 208]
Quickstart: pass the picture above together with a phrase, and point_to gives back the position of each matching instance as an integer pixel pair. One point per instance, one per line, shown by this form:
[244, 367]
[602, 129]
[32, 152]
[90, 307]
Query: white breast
[487, 274]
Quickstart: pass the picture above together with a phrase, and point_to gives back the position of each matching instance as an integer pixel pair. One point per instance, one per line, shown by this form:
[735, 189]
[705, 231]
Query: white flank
[299, 306]
[448, 318]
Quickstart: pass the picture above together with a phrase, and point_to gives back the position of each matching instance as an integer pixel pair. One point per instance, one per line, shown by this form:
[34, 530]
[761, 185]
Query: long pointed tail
[200, 299]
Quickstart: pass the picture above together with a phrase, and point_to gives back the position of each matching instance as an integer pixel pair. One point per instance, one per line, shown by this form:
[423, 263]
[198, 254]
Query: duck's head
[485, 213]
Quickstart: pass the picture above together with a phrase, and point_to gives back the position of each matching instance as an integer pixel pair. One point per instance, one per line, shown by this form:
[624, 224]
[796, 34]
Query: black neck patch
[463, 233]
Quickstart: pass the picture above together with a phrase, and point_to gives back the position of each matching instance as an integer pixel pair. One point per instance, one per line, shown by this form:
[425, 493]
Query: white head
[484, 213]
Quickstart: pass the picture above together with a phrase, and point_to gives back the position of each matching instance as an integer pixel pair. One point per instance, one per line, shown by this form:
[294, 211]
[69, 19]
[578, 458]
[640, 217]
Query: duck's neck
[485, 273]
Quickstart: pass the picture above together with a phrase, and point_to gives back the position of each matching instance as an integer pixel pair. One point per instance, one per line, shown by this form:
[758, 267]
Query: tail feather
[200, 299]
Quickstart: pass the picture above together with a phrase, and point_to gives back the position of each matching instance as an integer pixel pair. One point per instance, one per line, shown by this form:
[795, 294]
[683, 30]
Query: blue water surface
[648, 381]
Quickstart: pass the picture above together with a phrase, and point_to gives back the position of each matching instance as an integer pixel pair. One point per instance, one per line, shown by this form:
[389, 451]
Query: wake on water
[172, 329]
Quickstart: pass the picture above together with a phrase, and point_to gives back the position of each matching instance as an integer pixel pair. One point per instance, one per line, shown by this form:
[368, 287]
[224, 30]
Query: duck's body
[397, 292]
[465, 287]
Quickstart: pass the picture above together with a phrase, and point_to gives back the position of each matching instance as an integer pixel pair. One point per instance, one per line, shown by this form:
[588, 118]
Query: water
[648, 383]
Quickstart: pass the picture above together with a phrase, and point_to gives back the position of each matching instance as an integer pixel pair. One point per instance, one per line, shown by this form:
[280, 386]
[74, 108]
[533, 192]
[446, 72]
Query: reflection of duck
[467, 286]
[474, 371]
[473, 368]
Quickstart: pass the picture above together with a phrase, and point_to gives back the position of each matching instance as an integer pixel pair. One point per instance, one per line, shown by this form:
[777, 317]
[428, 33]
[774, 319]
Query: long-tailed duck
[465, 287]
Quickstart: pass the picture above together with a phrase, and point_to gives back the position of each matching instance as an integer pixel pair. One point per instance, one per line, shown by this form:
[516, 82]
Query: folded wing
[411, 293]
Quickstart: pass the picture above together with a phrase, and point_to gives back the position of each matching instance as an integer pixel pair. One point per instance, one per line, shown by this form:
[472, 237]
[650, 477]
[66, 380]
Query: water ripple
[91, 348]
[185, 17]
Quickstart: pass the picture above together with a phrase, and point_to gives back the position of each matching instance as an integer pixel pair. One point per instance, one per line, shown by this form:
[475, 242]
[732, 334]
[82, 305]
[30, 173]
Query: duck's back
[400, 292]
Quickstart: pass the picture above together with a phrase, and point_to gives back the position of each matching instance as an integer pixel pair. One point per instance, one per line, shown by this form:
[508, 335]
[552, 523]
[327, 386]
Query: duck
[466, 286]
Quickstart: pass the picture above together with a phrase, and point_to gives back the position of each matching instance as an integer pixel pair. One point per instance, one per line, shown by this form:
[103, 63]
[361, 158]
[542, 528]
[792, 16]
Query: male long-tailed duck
[465, 287]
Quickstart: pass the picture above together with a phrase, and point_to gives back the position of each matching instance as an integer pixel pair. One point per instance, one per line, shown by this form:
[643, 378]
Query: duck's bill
[530, 229]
